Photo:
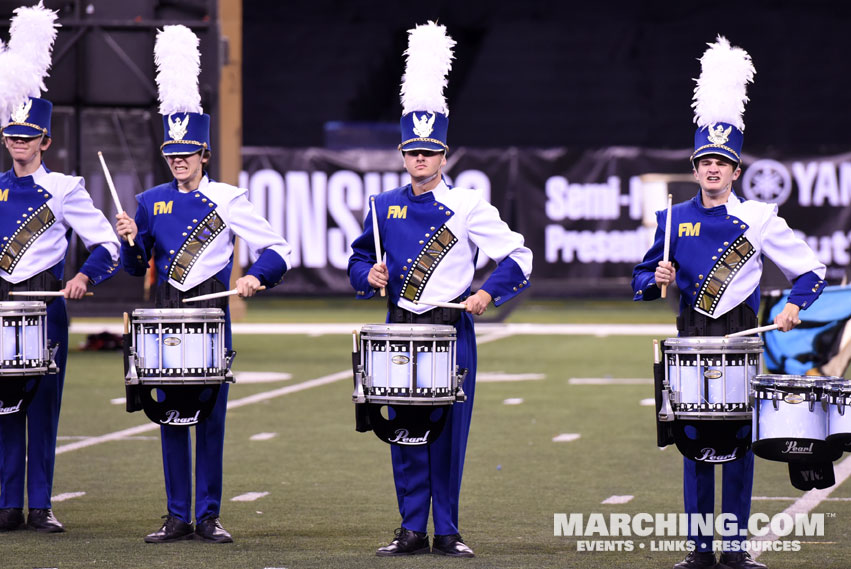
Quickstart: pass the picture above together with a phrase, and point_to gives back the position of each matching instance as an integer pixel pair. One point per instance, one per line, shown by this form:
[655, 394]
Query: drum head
[179, 405]
[714, 442]
[16, 393]
[408, 425]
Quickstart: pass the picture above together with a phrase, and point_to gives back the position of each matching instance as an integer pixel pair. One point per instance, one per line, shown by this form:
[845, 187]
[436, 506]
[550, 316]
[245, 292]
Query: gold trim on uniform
[424, 139]
[199, 239]
[195, 142]
[24, 236]
[27, 124]
[722, 146]
[722, 273]
[426, 262]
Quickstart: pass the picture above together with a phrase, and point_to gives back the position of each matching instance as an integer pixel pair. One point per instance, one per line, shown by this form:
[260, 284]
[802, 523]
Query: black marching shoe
[174, 529]
[407, 542]
[738, 560]
[697, 560]
[451, 545]
[211, 530]
[44, 521]
[11, 519]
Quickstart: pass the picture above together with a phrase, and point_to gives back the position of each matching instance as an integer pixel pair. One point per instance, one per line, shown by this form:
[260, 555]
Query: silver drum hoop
[24, 347]
[159, 338]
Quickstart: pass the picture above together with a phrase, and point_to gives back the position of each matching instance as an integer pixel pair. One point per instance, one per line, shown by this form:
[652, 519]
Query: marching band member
[38, 209]
[188, 227]
[718, 241]
[432, 234]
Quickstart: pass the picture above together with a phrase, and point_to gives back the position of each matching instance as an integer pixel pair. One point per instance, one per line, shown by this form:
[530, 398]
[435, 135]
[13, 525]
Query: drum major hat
[186, 127]
[719, 101]
[23, 67]
[425, 116]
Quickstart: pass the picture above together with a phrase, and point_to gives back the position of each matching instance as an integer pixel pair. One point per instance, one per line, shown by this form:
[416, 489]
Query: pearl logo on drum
[712, 374]
[793, 448]
[400, 360]
[171, 341]
[12, 409]
[793, 398]
[174, 418]
[710, 456]
[402, 438]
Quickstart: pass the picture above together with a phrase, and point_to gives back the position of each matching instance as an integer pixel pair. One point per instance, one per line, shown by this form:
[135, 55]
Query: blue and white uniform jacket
[36, 213]
[432, 241]
[718, 254]
[191, 235]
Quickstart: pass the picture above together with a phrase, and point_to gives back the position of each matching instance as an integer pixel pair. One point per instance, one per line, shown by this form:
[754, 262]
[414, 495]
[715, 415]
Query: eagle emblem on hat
[424, 125]
[177, 128]
[23, 112]
[718, 135]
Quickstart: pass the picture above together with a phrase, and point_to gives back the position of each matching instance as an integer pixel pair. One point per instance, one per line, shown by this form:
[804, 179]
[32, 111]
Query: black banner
[587, 216]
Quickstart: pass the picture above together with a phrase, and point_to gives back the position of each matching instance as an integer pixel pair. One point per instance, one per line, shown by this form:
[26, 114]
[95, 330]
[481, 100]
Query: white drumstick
[375, 235]
[667, 252]
[42, 293]
[753, 331]
[443, 304]
[112, 190]
[216, 295]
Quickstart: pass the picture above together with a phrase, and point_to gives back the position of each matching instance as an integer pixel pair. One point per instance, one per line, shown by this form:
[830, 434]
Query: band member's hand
[125, 226]
[788, 317]
[248, 285]
[665, 273]
[76, 288]
[478, 303]
[378, 276]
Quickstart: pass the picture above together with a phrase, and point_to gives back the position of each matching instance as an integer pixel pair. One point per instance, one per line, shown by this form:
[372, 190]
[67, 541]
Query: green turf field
[331, 501]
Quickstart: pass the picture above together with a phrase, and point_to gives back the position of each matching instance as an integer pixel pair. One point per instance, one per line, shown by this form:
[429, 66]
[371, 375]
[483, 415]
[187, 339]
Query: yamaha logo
[767, 181]
[793, 398]
[400, 360]
[171, 341]
[712, 374]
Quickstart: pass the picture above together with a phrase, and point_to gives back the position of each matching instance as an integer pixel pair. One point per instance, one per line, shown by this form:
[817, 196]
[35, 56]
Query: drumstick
[656, 358]
[667, 252]
[216, 295]
[126, 323]
[375, 234]
[112, 191]
[43, 293]
[753, 331]
[443, 304]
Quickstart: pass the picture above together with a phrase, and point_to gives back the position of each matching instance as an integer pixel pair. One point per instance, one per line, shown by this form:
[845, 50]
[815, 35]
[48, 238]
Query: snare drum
[409, 364]
[709, 377]
[839, 413]
[178, 346]
[790, 419]
[23, 339]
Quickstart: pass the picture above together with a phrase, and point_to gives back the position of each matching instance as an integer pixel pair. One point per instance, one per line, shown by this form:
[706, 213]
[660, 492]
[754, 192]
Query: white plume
[178, 66]
[429, 59]
[721, 91]
[31, 37]
[14, 82]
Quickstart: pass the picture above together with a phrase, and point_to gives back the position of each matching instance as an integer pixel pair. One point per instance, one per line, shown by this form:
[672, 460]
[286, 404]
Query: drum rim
[712, 342]
[178, 314]
[790, 380]
[8, 306]
[404, 331]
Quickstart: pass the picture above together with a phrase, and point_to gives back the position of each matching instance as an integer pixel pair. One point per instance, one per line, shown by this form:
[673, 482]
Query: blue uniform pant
[699, 494]
[209, 450]
[431, 475]
[35, 457]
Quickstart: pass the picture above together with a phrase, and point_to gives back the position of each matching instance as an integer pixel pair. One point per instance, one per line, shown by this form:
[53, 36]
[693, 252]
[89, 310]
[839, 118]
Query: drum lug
[358, 395]
[666, 413]
[461, 375]
[52, 367]
[132, 378]
[230, 355]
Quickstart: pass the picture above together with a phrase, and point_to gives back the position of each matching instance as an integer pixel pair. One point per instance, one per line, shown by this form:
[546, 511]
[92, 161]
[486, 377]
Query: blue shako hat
[719, 100]
[721, 138]
[185, 133]
[186, 129]
[31, 119]
[422, 130]
[425, 116]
